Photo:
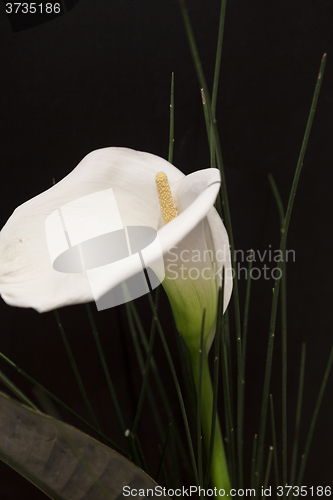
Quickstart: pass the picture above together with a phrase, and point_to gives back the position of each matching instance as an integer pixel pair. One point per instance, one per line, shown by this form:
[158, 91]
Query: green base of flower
[219, 468]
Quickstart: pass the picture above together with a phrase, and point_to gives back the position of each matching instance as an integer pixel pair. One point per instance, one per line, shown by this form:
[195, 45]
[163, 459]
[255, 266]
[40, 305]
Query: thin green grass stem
[253, 462]
[61, 403]
[172, 118]
[141, 364]
[278, 201]
[215, 138]
[242, 385]
[280, 208]
[153, 367]
[268, 468]
[16, 391]
[277, 282]
[174, 469]
[133, 448]
[76, 371]
[141, 454]
[146, 374]
[199, 388]
[153, 364]
[229, 358]
[105, 368]
[218, 56]
[263, 418]
[304, 146]
[160, 465]
[158, 381]
[214, 142]
[165, 479]
[211, 144]
[210, 139]
[276, 461]
[298, 417]
[314, 420]
[227, 384]
[225, 203]
[178, 390]
[217, 348]
[240, 411]
[247, 308]
[210, 133]
[284, 368]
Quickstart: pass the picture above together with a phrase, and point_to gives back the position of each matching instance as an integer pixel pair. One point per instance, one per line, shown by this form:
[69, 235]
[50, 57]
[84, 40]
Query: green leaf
[60, 460]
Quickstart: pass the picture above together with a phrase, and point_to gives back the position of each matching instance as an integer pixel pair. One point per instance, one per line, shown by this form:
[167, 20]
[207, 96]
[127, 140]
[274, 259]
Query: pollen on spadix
[168, 207]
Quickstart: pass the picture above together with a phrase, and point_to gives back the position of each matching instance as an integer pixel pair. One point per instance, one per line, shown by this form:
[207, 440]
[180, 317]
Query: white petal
[27, 278]
[217, 238]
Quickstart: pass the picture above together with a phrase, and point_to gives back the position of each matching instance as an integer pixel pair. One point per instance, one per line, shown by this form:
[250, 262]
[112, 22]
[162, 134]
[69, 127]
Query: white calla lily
[193, 248]
[27, 276]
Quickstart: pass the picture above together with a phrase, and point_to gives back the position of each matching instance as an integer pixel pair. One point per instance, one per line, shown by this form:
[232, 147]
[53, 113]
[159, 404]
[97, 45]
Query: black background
[99, 76]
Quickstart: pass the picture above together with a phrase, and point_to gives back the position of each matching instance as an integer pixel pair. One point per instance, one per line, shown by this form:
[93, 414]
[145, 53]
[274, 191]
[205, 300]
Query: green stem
[276, 462]
[217, 342]
[268, 469]
[76, 371]
[145, 378]
[314, 419]
[279, 204]
[253, 461]
[218, 56]
[179, 393]
[215, 138]
[227, 392]
[219, 469]
[105, 368]
[199, 391]
[172, 119]
[298, 417]
[276, 288]
[163, 453]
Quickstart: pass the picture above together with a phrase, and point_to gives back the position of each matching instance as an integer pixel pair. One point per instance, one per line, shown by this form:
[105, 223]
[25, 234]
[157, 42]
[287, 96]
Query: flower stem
[219, 469]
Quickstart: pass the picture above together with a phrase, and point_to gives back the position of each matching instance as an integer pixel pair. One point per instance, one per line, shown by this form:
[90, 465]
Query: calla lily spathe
[28, 279]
